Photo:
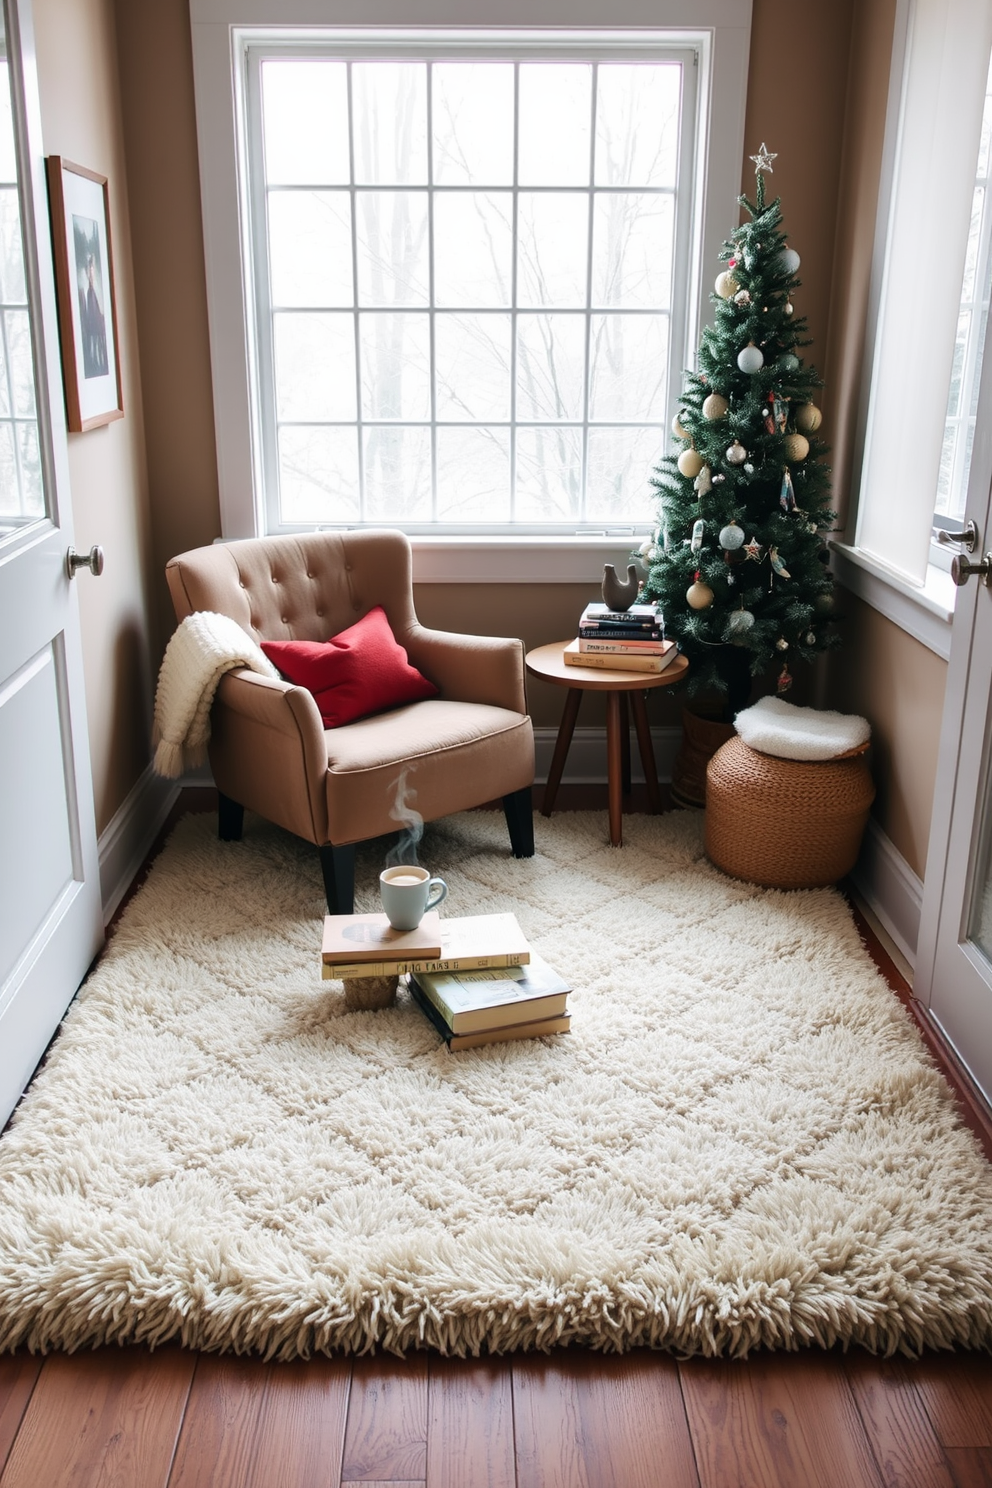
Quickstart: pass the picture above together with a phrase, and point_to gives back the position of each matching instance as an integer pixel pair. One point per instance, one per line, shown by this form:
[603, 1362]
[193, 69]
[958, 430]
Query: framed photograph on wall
[84, 281]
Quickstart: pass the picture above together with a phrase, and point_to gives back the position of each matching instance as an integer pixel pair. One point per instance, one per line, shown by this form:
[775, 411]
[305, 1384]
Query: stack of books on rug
[474, 977]
[623, 640]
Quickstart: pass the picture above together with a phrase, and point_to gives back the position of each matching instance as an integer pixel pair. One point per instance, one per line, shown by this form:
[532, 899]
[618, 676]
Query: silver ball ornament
[731, 537]
[787, 261]
[811, 638]
[736, 453]
[789, 307]
[788, 362]
[823, 604]
[739, 622]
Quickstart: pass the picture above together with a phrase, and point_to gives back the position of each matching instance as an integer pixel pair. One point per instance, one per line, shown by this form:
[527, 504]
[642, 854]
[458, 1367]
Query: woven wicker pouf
[785, 824]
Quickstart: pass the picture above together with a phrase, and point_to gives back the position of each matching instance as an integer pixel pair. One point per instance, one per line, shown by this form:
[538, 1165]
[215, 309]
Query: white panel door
[954, 959]
[50, 912]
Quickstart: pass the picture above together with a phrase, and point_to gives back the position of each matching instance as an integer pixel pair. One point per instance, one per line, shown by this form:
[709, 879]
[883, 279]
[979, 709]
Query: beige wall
[898, 685]
[825, 122]
[80, 108]
[881, 672]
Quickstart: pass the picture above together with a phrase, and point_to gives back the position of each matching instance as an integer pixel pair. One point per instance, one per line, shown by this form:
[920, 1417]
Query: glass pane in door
[22, 494]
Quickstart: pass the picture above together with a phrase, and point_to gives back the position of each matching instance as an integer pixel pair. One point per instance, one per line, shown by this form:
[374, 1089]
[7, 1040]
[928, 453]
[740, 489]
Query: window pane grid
[559, 411]
[22, 497]
[959, 427]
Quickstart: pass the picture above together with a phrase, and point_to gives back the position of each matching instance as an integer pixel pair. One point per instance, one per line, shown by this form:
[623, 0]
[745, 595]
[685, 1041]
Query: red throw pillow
[363, 670]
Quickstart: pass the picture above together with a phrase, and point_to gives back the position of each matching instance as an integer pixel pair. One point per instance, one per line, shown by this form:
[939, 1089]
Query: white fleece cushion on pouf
[775, 727]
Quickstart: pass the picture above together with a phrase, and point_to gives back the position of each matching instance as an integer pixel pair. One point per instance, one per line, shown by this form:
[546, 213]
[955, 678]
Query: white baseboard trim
[586, 762]
[890, 888]
[125, 841]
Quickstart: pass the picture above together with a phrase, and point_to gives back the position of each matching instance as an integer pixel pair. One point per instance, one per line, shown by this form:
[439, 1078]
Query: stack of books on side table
[624, 640]
[474, 977]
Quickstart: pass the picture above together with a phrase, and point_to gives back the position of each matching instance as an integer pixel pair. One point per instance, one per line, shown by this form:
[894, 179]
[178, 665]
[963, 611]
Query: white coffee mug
[407, 893]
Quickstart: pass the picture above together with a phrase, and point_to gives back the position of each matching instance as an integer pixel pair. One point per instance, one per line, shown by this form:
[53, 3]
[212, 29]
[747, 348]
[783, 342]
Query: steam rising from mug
[404, 850]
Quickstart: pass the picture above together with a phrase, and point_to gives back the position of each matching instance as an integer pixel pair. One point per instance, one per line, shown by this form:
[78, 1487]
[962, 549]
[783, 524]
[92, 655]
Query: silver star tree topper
[763, 159]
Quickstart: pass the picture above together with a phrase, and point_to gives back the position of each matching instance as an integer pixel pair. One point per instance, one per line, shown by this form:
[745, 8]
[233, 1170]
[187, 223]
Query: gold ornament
[726, 285]
[795, 448]
[690, 463]
[808, 418]
[699, 596]
[715, 407]
[678, 429]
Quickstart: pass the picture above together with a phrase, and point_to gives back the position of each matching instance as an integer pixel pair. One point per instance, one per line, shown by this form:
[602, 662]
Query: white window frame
[718, 30]
[897, 449]
[520, 49]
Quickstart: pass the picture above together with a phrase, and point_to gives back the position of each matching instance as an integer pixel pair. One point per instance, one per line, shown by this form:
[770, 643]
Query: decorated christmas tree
[738, 562]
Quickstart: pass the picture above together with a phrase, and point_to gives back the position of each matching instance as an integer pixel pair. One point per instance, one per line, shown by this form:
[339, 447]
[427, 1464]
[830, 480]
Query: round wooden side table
[548, 663]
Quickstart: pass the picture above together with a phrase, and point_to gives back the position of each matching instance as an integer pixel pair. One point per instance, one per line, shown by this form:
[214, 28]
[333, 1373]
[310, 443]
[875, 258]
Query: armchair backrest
[302, 588]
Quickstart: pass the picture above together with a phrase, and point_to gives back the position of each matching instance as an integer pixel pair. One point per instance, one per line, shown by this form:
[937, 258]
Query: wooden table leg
[614, 767]
[573, 698]
[647, 750]
[624, 744]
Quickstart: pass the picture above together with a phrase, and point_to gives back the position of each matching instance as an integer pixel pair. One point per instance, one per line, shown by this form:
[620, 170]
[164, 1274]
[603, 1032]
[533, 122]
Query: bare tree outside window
[468, 287]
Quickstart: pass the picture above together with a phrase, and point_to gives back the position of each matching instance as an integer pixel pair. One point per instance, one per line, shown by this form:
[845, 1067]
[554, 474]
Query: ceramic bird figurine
[619, 594]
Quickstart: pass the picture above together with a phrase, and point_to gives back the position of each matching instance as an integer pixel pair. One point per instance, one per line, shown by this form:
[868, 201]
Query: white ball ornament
[736, 454]
[750, 359]
[731, 537]
[699, 596]
[808, 418]
[787, 260]
[690, 463]
[795, 447]
[789, 307]
[678, 429]
[715, 407]
[726, 285]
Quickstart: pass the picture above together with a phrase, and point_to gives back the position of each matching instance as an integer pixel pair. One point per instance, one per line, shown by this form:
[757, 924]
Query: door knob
[93, 561]
[962, 570]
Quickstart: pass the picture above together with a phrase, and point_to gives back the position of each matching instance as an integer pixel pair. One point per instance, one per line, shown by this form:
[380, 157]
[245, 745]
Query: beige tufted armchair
[269, 749]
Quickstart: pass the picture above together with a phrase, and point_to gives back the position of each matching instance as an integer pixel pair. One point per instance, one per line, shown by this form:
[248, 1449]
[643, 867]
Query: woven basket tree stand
[786, 824]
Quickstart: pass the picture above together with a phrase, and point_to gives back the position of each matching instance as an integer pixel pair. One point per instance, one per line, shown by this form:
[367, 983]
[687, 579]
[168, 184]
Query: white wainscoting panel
[586, 762]
[890, 888]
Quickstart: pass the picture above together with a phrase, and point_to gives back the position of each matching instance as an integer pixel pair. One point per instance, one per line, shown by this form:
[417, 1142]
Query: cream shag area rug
[741, 1143]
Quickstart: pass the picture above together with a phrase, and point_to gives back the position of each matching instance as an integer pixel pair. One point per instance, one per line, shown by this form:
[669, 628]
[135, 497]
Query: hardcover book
[470, 1001]
[614, 661]
[626, 645]
[641, 612]
[538, 1028]
[364, 939]
[465, 942]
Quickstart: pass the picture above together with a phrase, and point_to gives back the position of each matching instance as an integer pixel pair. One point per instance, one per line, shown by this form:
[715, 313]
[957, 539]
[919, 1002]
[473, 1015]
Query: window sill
[925, 613]
[520, 560]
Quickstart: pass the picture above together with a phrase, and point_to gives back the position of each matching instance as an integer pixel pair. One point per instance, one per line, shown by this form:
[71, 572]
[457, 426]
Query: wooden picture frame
[84, 286]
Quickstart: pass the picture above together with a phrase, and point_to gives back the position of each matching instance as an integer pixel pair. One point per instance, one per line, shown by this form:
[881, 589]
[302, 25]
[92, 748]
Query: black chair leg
[230, 818]
[338, 867]
[519, 812]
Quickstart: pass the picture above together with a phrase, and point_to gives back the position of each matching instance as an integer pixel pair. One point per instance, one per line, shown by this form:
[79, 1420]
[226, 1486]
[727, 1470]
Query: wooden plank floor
[130, 1418]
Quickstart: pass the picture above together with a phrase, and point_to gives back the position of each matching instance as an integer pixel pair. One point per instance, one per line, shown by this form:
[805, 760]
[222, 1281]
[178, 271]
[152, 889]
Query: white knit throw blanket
[773, 726]
[203, 648]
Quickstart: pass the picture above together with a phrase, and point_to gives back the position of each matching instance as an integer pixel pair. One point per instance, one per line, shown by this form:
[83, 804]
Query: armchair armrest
[268, 751]
[469, 668]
